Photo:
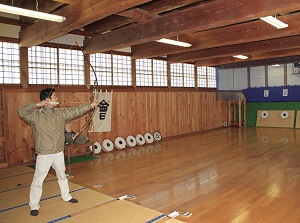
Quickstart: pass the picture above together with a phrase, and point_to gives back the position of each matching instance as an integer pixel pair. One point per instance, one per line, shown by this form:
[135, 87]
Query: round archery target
[140, 140]
[149, 138]
[156, 136]
[264, 114]
[130, 140]
[284, 115]
[120, 143]
[107, 145]
[97, 147]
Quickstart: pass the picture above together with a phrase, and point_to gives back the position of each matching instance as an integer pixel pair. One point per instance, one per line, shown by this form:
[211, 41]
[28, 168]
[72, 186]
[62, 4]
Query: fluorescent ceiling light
[276, 65]
[31, 13]
[174, 42]
[274, 22]
[242, 57]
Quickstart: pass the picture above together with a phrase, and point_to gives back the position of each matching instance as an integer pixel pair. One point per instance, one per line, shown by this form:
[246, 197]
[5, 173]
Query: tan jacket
[48, 125]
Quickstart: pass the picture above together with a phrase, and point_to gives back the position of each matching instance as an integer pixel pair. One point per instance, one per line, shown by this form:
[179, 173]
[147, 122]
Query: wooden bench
[68, 150]
[85, 146]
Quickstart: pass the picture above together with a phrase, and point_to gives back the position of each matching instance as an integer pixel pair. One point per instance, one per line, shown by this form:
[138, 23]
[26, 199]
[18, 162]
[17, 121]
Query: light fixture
[242, 57]
[174, 42]
[31, 13]
[274, 22]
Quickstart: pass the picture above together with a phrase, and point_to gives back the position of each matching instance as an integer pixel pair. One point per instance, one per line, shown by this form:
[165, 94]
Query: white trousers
[42, 167]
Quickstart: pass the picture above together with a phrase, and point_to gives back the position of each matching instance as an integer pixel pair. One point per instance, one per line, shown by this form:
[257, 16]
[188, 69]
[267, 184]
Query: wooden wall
[170, 113]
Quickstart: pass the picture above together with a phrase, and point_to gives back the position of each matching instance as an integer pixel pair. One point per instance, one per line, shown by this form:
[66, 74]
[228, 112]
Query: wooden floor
[225, 175]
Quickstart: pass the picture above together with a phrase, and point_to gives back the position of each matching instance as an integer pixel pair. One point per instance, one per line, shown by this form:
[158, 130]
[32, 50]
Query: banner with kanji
[102, 116]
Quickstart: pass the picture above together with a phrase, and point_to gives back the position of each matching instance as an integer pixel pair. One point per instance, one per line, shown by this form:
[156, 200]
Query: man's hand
[42, 103]
[94, 104]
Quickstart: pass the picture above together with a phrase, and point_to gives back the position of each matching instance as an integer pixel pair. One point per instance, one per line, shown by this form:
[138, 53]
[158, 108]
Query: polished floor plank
[225, 175]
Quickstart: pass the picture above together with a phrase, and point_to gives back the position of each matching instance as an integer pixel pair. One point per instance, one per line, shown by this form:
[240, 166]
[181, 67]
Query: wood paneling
[170, 113]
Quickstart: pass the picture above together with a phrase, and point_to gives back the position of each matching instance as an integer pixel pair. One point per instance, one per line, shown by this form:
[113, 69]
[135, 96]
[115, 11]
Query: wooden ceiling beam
[78, 14]
[14, 22]
[241, 33]
[265, 62]
[252, 57]
[118, 20]
[65, 1]
[107, 24]
[168, 5]
[244, 49]
[138, 15]
[203, 17]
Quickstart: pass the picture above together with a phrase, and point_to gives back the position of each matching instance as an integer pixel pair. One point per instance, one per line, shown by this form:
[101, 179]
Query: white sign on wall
[266, 93]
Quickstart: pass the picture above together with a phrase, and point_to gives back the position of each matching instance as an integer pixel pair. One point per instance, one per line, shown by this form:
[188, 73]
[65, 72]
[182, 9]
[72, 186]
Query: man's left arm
[73, 112]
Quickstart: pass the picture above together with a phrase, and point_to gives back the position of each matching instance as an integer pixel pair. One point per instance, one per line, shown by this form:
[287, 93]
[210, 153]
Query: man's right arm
[27, 112]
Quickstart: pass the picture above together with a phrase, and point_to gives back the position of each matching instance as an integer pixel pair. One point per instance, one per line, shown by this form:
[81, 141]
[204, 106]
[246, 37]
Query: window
[206, 77]
[144, 72]
[160, 73]
[151, 72]
[42, 65]
[101, 63]
[176, 75]
[9, 63]
[182, 75]
[189, 75]
[71, 67]
[211, 77]
[122, 70]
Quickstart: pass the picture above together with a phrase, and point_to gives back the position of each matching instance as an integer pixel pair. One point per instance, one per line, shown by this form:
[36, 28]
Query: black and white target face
[97, 147]
[120, 143]
[156, 136]
[264, 114]
[140, 140]
[107, 145]
[130, 141]
[284, 115]
[148, 137]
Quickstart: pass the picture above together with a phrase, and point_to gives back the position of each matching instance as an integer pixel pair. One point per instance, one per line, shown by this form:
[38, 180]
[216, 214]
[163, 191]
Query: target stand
[237, 113]
[275, 118]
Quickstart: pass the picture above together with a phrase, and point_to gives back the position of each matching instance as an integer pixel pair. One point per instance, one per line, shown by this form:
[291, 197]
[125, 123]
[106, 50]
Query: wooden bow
[93, 99]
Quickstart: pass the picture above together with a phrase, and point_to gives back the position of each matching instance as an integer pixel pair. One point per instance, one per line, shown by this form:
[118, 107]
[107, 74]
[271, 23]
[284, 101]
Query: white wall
[236, 79]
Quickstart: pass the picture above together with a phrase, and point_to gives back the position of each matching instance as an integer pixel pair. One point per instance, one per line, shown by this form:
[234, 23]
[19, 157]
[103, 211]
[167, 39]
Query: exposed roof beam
[280, 60]
[119, 20]
[245, 49]
[203, 17]
[138, 15]
[246, 32]
[14, 22]
[168, 5]
[78, 14]
[65, 1]
[107, 24]
[252, 57]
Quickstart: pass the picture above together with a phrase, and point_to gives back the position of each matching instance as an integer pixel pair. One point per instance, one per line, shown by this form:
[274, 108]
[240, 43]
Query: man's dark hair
[46, 93]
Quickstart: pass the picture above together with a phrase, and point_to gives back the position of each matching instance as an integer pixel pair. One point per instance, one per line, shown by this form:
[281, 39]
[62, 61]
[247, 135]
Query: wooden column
[133, 71]
[24, 67]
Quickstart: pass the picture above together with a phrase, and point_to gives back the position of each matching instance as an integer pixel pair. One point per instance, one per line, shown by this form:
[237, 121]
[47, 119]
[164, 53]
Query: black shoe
[34, 212]
[73, 200]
